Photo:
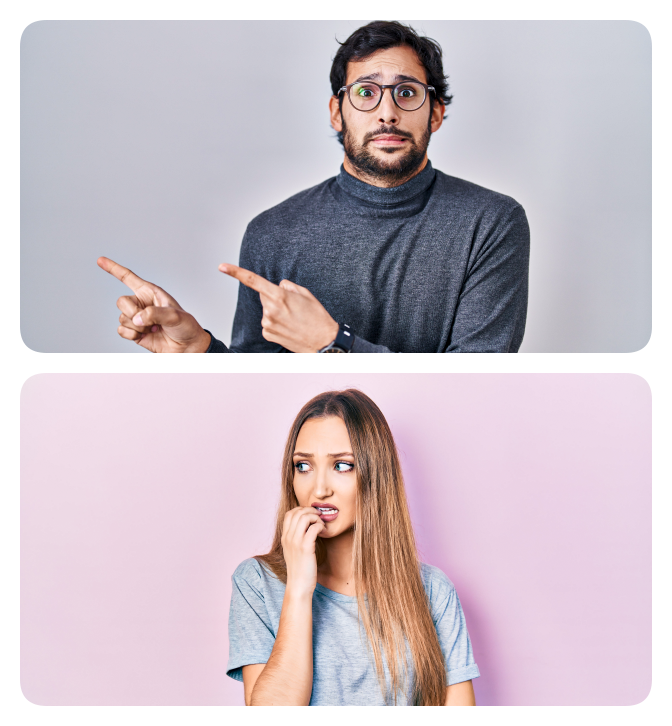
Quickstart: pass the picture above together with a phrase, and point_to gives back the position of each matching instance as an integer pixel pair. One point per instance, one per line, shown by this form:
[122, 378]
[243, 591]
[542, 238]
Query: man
[388, 256]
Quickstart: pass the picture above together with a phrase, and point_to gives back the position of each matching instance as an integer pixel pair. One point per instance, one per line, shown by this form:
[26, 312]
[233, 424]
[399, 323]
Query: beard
[402, 164]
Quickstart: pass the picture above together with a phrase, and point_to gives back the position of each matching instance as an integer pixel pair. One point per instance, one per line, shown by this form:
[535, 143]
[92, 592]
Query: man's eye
[344, 466]
[406, 93]
[365, 92]
[301, 466]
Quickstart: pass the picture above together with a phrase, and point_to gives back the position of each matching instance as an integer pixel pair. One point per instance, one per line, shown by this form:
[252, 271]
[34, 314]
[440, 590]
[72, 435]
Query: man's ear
[335, 113]
[438, 112]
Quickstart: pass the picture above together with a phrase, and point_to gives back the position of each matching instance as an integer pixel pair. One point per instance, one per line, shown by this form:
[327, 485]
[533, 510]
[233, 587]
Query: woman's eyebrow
[304, 455]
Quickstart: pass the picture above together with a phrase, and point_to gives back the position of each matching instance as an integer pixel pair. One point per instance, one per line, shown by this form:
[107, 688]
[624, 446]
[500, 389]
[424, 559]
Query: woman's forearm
[287, 678]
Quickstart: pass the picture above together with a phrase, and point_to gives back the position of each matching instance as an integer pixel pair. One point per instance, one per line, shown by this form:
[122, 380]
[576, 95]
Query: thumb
[164, 300]
[293, 287]
[153, 315]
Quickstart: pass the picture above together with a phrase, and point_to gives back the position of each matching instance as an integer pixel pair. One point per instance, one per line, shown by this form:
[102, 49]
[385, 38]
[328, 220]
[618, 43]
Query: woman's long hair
[392, 602]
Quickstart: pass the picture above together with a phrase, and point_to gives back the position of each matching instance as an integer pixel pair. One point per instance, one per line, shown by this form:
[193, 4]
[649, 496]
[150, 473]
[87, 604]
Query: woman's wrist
[299, 591]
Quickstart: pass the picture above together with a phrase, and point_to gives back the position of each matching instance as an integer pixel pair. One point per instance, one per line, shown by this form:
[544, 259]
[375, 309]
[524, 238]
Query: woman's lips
[327, 514]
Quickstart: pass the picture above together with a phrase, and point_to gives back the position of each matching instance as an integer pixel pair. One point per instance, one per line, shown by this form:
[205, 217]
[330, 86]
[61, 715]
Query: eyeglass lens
[409, 96]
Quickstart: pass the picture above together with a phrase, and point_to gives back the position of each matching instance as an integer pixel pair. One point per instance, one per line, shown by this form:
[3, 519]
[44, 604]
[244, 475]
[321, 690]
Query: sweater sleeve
[492, 308]
[216, 346]
[246, 336]
[365, 352]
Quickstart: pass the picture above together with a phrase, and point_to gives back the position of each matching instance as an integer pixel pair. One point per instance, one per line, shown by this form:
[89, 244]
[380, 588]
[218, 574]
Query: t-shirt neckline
[333, 594]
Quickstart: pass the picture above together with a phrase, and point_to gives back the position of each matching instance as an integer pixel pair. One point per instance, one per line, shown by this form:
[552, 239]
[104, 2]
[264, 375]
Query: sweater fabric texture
[435, 265]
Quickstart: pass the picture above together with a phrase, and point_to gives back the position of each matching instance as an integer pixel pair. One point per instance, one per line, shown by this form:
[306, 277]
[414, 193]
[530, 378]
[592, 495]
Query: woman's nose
[322, 487]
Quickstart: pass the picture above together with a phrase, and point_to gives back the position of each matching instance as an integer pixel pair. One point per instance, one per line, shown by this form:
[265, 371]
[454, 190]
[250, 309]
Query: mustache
[391, 130]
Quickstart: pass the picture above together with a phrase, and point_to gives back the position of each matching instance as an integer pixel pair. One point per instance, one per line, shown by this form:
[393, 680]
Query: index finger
[123, 274]
[249, 279]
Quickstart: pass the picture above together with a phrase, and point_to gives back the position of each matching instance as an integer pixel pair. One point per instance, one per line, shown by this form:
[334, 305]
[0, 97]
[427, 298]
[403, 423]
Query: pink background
[141, 493]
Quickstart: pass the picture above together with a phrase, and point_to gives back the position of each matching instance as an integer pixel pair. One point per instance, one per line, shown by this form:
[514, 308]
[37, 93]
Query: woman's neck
[335, 573]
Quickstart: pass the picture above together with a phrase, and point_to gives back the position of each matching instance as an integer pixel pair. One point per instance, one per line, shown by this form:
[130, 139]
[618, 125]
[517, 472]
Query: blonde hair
[392, 602]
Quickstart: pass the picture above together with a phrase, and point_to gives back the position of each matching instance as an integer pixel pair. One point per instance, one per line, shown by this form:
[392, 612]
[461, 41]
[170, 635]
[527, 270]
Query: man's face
[387, 145]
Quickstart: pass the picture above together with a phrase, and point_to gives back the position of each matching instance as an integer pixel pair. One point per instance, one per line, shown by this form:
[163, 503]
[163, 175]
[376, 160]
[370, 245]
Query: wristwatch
[342, 343]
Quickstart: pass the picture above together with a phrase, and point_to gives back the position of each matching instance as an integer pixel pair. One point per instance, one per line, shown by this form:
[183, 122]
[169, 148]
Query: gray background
[156, 142]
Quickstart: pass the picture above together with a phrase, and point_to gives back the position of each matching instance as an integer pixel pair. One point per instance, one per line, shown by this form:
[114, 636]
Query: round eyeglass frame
[382, 91]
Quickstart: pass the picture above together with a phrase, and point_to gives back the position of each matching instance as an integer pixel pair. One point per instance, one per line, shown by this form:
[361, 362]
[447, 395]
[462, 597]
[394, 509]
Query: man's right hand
[152, 318]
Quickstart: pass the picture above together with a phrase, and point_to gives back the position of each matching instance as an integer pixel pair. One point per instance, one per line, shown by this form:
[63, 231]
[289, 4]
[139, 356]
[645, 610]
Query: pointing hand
[293, 317]
[152, 318]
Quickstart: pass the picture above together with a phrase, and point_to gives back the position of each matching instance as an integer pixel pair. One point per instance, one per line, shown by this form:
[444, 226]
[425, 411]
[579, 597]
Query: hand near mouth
[299, 532]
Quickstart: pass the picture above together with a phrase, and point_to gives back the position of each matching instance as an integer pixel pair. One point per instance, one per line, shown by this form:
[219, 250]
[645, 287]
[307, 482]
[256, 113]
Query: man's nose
[388, 111]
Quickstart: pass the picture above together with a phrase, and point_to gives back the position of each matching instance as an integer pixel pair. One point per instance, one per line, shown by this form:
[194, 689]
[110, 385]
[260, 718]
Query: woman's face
[324, 473]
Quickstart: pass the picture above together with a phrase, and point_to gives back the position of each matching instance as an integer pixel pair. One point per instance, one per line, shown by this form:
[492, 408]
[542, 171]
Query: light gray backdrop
[155, 143]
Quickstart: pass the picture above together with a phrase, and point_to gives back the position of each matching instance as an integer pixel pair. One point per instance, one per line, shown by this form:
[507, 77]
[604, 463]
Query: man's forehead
[388, 66]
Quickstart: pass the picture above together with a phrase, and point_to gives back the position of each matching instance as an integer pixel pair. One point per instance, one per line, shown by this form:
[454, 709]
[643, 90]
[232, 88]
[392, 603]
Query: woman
[341, 611]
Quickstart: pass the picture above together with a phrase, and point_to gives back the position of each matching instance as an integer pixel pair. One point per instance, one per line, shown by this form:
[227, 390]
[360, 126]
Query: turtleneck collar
[389, 198]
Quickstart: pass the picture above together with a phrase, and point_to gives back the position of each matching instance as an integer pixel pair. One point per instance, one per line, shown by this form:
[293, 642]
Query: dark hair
[383, 34]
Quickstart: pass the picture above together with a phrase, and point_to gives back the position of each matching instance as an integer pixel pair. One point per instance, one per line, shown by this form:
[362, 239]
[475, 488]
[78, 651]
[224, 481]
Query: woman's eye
[344, 466]
[302, 466]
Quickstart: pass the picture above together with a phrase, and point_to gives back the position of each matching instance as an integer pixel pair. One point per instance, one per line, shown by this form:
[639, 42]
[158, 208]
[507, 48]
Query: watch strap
[344, 338]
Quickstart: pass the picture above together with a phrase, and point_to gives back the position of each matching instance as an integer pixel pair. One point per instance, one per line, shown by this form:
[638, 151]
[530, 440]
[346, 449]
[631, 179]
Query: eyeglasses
[407, 95]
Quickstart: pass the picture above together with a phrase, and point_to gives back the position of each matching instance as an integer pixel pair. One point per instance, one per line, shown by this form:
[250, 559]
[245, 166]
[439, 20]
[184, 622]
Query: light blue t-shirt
[344, 673]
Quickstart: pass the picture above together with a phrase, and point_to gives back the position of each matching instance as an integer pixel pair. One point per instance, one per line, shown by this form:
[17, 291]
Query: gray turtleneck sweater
[436, 265]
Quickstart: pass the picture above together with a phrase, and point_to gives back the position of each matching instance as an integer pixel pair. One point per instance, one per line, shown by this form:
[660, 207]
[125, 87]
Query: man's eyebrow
[304, 455]
[396, 79]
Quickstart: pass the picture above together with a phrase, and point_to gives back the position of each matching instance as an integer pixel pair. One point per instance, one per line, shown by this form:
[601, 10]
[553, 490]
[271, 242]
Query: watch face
[333, 355]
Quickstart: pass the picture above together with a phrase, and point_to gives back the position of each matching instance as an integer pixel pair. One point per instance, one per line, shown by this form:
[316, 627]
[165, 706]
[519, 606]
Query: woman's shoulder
[437, 584]
[250, 570]
[253, 572]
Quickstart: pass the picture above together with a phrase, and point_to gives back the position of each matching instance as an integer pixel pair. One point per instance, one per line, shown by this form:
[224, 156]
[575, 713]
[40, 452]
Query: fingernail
[154, 328]
[137, 320]
[223, 268]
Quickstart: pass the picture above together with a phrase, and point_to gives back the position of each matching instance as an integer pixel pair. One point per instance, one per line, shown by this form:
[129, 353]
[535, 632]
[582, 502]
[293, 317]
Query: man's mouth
[387, 140]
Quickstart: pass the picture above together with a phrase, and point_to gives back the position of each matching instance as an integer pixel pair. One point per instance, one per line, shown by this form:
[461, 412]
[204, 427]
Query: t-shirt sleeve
[451, 628]
[251, 637]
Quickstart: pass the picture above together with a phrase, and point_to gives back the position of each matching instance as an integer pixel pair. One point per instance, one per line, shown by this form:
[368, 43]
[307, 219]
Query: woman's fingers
[297, 522]
[313, 531]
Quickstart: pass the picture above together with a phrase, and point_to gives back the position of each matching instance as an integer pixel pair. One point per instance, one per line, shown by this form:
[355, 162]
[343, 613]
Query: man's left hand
[293, 317]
